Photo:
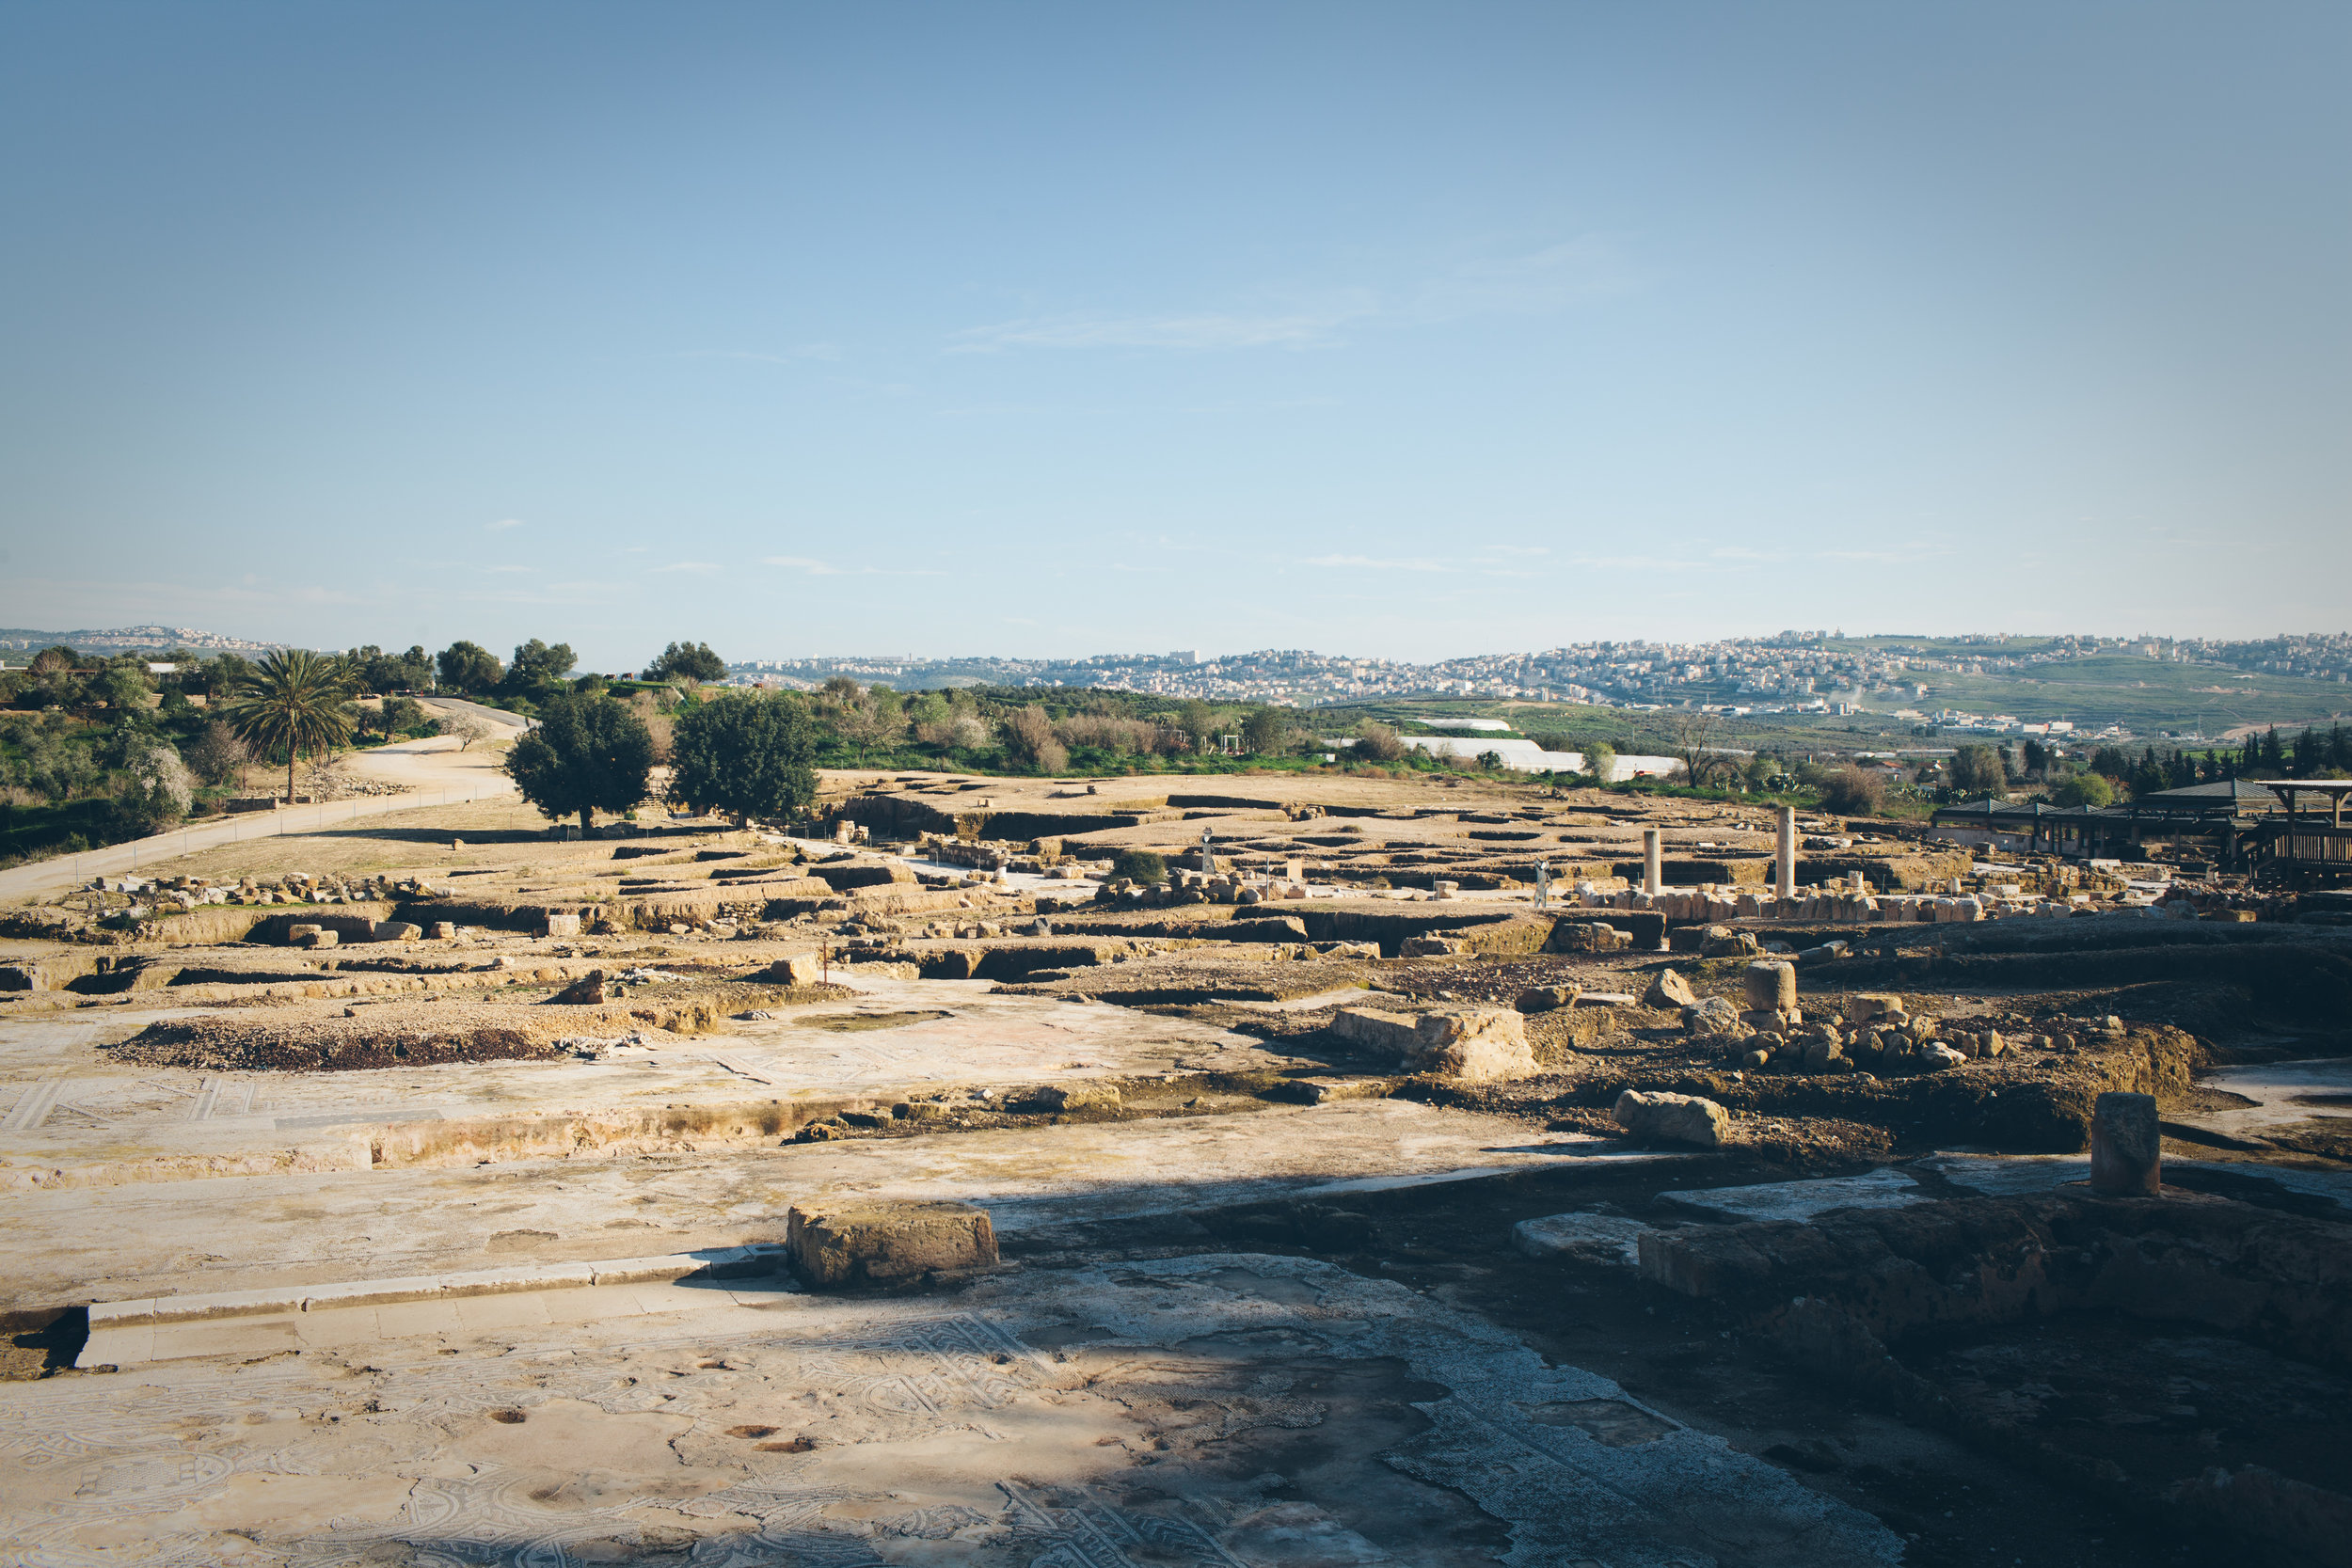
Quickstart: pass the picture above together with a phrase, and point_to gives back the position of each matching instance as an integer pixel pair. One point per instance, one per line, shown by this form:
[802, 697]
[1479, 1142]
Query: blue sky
[1389, 330]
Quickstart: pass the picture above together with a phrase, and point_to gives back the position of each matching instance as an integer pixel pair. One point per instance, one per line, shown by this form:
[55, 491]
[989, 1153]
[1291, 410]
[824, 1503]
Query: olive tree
[748, 754]
[587, 754]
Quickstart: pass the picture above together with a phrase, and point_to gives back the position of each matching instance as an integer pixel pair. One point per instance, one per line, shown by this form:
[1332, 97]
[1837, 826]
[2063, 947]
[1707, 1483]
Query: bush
[1853, 792]
[1379, 743]
[1141, 866]
[2083, 789]
[1030, 743]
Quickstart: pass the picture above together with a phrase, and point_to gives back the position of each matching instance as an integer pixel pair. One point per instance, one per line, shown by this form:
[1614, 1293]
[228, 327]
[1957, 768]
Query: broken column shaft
[1653, 868]
[1784, 868]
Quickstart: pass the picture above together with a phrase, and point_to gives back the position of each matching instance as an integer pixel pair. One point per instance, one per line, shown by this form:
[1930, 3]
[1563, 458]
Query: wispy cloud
[1376, 563]
[1196, 331]
[695, 566]
[827, 352]
[1588, 267]
[503, 524]
[826, 569]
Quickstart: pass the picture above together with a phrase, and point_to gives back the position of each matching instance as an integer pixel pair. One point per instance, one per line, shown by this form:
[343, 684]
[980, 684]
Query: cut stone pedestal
[880, 1243]
[2126, 1146]
[1772, 986]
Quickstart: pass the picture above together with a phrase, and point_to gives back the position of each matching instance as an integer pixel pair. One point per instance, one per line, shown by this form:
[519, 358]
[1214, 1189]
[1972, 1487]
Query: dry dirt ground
[1267, 1297]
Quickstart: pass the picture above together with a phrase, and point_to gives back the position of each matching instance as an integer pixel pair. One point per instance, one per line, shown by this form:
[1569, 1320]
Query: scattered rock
[1682, 1119]
[1545, 999]
[1669, 991]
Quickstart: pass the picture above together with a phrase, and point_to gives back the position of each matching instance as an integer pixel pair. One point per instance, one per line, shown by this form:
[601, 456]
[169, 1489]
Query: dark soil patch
[847, 1023]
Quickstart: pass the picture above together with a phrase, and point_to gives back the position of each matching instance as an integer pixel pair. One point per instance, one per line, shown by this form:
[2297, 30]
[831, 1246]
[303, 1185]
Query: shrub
[1030, 741]
[2083, 789]
[1141, 865]
[1379, 743]
[1853, 792]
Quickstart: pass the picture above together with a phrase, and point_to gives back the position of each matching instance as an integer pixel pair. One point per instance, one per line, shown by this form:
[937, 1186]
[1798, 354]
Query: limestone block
[301, 933]
[442, 930]
[877, 1242]
[321, 937]
[588, 991]
[1587, 936]
[397, 931]
[2126, 1146]
[1669, 991]
[1427, 947]
[1478, 1044]
[1870, 1005]
[563, 926]
[1772, 986]
[1684, 1119]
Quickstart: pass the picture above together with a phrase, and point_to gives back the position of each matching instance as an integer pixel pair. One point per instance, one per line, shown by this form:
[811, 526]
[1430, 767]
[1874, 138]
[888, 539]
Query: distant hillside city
[2187, 687]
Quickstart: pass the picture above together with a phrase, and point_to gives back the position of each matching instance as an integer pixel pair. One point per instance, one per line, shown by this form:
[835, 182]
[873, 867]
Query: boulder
[1870, 1005]
[1934, 1056]
[1669, 992]
[590, 989]
[877, 1242]
[1471, 1043]
[1545, 999]
[1086, 1095]
[1681, 1119]
[1712, 1015]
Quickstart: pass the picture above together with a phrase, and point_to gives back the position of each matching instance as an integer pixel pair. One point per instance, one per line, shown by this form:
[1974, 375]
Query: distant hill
[123, 639]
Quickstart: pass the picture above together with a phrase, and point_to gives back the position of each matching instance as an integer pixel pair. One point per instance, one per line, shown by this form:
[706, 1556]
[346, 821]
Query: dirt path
[436, 771]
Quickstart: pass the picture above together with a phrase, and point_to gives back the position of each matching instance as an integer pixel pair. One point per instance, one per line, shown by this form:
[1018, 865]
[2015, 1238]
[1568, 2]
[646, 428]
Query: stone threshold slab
[715, 1263]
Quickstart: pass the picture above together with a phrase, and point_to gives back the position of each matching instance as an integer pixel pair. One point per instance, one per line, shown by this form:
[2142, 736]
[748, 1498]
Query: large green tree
[587, 754]
[747, 754]
[469, 667]
[293, 701]
[693, 661]
[537, 667]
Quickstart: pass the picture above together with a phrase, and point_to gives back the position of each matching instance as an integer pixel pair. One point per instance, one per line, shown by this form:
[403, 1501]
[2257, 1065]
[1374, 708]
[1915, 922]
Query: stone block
[1587, 936]
[301, 933]
[2126, 1146]
[879, 1242]
[563, 926]
[1681, 1119]
[320, 938]
[1432, 947]
[1772, 986]
[1472, 1043]
[442, 930]
[397, 931]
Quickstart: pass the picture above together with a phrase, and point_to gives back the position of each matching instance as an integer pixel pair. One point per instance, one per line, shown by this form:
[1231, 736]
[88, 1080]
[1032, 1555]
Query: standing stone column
[1785, 869]
[2126, 1146]
[1653, 870]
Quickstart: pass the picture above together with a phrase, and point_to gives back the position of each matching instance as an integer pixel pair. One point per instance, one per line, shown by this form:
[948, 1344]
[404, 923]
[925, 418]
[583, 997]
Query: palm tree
[295, 699]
